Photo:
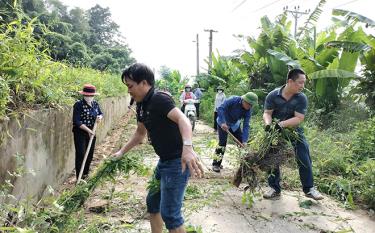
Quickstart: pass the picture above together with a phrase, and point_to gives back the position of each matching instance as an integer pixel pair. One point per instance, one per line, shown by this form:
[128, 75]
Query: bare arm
[267, 117]
[183, 123]
[137, 138]
[188, 156]
[294, 121]
[87, 129]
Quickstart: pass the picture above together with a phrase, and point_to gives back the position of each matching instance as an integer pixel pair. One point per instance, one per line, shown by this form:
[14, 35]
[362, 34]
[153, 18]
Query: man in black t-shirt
[171, 136]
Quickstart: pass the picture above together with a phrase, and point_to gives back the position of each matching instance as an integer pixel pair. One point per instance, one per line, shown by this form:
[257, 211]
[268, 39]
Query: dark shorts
[168, 201]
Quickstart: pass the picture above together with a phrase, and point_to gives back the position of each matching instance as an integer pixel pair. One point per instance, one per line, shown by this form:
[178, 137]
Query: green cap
[250, 98]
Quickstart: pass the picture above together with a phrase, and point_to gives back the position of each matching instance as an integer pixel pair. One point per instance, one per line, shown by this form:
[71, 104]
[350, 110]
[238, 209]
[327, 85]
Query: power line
[238, 6]
[265, 6]
[296, 14]
[344, 4]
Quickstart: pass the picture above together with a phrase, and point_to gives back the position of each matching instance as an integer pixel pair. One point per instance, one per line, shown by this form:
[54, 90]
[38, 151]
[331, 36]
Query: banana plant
[224, 73]
[265, 71]
[275, 50]
[354, 17]
[330, 77]
[365, 46]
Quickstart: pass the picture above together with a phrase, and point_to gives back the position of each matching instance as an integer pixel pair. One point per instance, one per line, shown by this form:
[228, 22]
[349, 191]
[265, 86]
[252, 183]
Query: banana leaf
[348, 46]
[284, 58]
[349, 15]
[336, 73]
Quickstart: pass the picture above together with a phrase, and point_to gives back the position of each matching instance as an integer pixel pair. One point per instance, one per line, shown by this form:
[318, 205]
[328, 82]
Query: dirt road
[212, 204]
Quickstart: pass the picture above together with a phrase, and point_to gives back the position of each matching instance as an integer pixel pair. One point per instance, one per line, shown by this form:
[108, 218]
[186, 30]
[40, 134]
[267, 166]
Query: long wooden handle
[235, 139]
[87, 153]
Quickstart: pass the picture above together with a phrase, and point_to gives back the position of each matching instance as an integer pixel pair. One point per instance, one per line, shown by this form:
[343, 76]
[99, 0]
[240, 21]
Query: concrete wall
[44, 139]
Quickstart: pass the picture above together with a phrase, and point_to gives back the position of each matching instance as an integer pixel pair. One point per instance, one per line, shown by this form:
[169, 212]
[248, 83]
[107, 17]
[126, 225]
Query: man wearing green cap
[229, 118]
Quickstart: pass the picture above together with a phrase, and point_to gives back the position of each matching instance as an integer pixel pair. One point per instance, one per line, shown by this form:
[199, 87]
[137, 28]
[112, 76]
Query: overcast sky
[161, 32]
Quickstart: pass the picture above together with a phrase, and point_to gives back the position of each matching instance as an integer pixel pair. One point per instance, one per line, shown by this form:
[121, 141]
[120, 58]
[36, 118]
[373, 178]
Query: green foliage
[286, 59]
[248, 198]
[171, 81]
[329, 87]
[365, 89]
[343, 152]
[153, 185]
[224, 73]
[193, 192]
[338, 170]
[348, 46]
[29, 77]
[265, 65]
[366, 182]
[354, 17]
[207, 106]
[337, 73]
[61, 214]
[193, 229]
[363, 146]
[72, 36]
[73, 200]
[306, 204]
[103, 28]
[313, 19]
[4, 96]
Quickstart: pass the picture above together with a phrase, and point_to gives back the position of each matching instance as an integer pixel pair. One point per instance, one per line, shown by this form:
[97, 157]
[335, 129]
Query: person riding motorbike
[186, 94]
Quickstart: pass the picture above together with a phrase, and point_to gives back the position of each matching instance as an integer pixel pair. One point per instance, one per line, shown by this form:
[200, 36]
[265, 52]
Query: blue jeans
[168, 201]
[223, 138]
[301, 149]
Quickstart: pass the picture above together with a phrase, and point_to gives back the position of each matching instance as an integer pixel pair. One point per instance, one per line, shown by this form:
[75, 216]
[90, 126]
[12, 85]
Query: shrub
[366, 182]
[363, 146]
[29, 77]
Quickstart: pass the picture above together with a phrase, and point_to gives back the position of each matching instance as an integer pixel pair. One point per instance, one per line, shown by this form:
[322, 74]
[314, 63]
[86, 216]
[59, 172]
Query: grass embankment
[30, 79]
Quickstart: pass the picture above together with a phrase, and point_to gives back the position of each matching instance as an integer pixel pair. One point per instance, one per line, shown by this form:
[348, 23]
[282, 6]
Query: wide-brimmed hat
[250, 98]
[88, 89]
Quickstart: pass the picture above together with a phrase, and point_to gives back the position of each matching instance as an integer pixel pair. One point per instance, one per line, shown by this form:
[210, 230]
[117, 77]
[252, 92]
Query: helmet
[219, 88]
[187, 86]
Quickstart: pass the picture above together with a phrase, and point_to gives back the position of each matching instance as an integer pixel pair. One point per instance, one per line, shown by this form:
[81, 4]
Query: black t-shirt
[164, 133]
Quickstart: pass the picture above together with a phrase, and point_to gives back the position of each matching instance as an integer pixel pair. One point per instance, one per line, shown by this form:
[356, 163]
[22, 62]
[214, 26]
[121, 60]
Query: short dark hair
[294, 73]
[137, 73]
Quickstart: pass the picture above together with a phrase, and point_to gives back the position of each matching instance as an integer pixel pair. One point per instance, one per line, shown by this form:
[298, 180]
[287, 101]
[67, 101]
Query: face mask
[219, 91]
[187, 89]
[89, 99]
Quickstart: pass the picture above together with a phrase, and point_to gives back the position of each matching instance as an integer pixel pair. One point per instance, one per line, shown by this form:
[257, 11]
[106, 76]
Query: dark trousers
[183, 108]
[215, 122]
[301, 149]
[197, 108]
[81, 141]
[223, 137]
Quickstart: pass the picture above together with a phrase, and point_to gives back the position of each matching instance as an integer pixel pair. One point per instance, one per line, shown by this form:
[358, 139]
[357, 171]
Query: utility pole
[209, 49]
[296, 14]
[197, 41]
[314, 41]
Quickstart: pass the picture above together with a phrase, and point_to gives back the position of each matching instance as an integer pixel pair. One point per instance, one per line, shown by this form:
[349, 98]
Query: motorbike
[191, 111]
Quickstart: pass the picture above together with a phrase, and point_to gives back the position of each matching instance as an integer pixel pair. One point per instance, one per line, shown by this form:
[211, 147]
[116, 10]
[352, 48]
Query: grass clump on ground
[64, 213]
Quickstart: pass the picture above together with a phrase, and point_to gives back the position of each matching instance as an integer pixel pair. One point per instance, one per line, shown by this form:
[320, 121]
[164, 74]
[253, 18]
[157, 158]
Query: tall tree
[103, 28]
[80, 24]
